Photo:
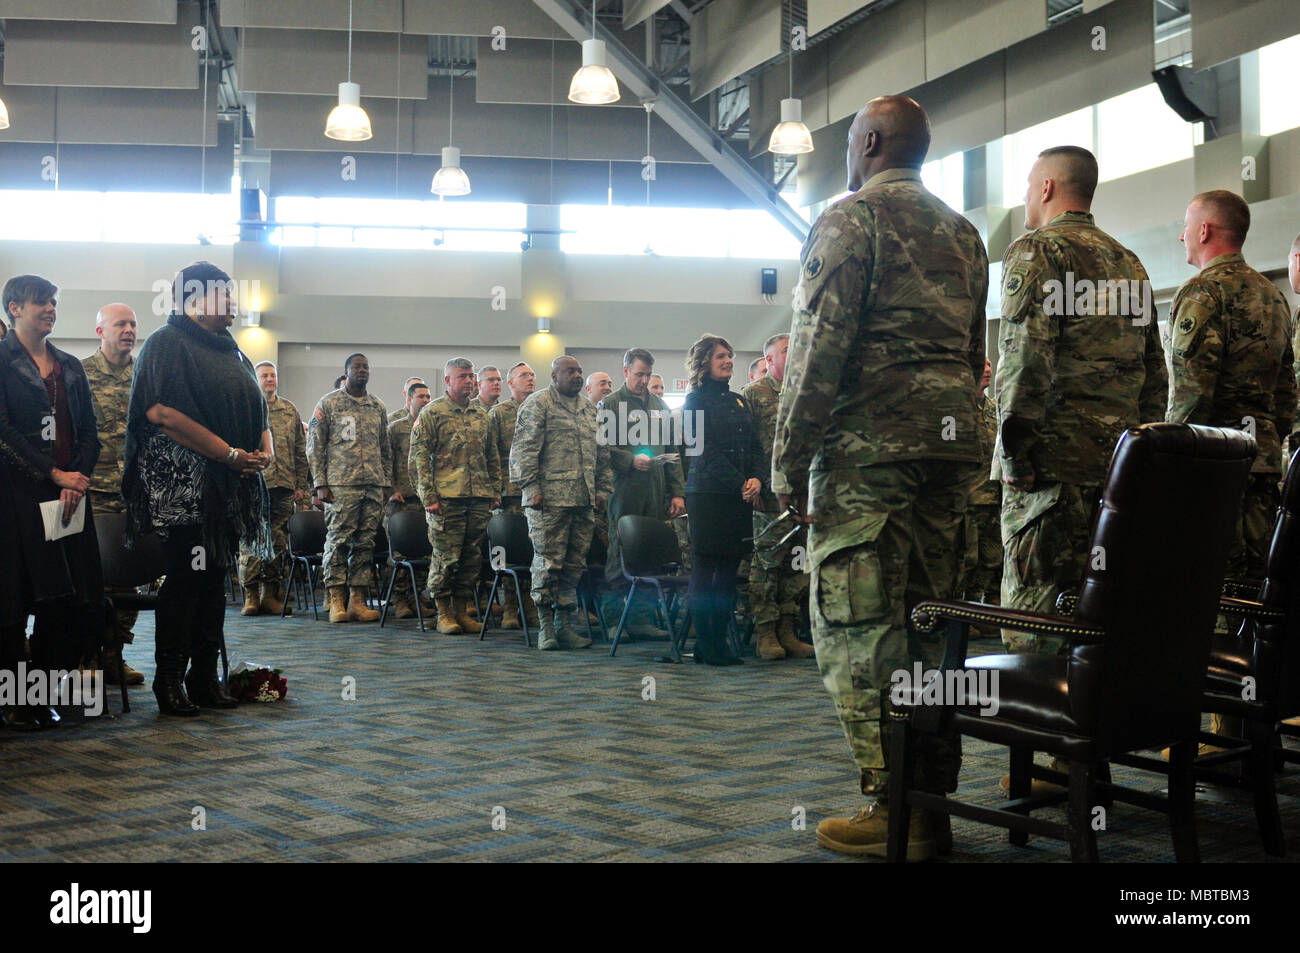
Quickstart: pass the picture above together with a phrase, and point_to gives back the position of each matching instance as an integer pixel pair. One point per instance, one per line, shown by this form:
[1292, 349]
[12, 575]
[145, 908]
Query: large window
[946, 178]
[161, 217]
[1138, 131]
[1019, 150]
[690, 232]
[352, 222]
[1279, 104]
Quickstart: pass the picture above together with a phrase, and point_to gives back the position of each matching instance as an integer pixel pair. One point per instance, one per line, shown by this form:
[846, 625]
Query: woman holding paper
[48, 447]
[197, 441]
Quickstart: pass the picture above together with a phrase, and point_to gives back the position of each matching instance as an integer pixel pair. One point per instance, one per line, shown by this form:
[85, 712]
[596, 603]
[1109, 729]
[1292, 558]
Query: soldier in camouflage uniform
[288, 481]
[351, 465]
[1231, 362]
[405, 497]
[564, 475]
[502, 419]
[401, 413]
[778, 582]
[876, 441]
[1080, 362]
[982, 572]
[109, 371]
[635, 426]
[489, 387]
[458, 476]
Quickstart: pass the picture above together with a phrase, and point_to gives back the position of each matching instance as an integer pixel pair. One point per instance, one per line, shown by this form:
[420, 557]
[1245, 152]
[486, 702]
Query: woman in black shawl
[48, 447]
[197, 441]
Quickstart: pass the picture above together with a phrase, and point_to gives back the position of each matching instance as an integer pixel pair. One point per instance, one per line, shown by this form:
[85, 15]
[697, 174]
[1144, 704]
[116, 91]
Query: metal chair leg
[622, 619]
[496, 577]
[388, 597]
[523, 615]
[673, 652]
[288, 586]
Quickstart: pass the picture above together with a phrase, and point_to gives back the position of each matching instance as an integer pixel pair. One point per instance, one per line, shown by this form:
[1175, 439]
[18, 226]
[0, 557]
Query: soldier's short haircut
[754, 363]
[701, 352]
[1226, 209]
[1078, 170]
[488, 367]
[457, 362]
[774, 340]
[411, 380]
[414, 386]
[270, 364]
[511, 375]
[348, 362]
[25, 289]
[638, 354]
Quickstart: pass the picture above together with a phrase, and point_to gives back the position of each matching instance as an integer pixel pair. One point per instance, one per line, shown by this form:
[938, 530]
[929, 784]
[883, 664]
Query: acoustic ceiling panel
[1222, 29]
[31, 113]
[883, 54]
[382, 16]
[825, 13]
[966, 106]
[159, 117]
[143, 56]
[532, 71]
[822, 172]
[314, 62]
[958, 32]
[149, 168]
[521, 19]
[637, 11]
[118, 11]
[729, 37]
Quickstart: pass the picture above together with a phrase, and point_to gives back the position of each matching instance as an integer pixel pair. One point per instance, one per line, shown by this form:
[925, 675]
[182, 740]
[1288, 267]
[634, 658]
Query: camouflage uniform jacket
[399, 435]
[477, 401]
[501, 431]
[347, 441]
[886, 348]
[110, 393]
[764, 395]
[1230, 358]
[555, 452]
[289, 470]
[451, 455]
[1080, 355]
[987, 490]
[401, 413]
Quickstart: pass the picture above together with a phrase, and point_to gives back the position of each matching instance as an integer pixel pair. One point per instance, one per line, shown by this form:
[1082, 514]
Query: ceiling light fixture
[451, 178]
[593, 84]
[4, 115]
[347, 121]
[791, 137]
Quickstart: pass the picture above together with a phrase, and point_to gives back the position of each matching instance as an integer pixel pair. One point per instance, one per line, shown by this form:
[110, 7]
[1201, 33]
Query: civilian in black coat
[721, 485]
[48, 446]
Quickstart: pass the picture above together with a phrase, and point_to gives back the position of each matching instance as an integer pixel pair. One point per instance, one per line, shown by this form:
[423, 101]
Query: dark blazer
[731, 451]
[68, 567]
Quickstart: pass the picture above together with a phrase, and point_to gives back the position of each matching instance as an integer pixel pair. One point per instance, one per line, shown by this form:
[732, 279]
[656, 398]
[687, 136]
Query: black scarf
[208, 379]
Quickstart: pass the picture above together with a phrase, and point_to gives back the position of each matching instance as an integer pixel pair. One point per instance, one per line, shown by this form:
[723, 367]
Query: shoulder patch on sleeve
[320, 414]
[1192, 310]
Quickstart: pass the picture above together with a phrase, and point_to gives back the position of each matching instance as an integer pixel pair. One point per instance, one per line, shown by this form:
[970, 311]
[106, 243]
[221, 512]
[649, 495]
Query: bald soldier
[502, 418]
[1231, 361]
[599, 386]
[1080, 362]
[876, 443]
[489, 387]
[564, 473]
[109, 371]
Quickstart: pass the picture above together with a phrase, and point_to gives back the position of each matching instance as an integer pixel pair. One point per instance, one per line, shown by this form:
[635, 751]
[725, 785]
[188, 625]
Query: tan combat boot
[405, 609]
[790, 641]
[447, 623]
[769, 649]
[271, 604]
[867, 833]
[252, 599]
[510, 615]
[462, 605]
[337, 599]
[358, 611]
[530, 610]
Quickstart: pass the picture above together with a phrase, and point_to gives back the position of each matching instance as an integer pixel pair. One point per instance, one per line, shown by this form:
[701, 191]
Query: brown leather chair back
[1155, 572]
[1277, 644]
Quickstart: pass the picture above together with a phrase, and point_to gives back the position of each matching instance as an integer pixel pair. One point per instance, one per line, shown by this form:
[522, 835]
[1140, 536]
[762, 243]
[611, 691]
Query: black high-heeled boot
[206, 690]
[169, 690]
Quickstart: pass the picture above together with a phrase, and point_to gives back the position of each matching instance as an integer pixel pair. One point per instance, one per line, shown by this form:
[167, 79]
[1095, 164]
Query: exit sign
[680, 384]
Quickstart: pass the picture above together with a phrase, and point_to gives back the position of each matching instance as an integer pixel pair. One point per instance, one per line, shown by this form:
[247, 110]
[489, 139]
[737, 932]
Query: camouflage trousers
[1249, 551]
[600, 526]
[561, 537]
[402, 582]
[777, 586]
[457, 539]
[124, 619]
[682, 527]
[253, 570]
[911, 515]
[1045, 537]
[982, 565]
[350, 524]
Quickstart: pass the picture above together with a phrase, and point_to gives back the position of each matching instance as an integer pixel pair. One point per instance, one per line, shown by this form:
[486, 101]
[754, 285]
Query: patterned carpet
[446, 730]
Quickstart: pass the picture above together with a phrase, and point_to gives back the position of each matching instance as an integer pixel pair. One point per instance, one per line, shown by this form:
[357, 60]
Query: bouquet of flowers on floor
[250, 682]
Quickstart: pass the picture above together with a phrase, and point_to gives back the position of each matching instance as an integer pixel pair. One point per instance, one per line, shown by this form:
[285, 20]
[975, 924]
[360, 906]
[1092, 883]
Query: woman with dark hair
[197, 441]
[48, 447]
[721, 486]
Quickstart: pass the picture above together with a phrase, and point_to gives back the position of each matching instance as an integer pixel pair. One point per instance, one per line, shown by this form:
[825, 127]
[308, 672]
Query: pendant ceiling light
[791, 137]
[348, 121]
[451, 178]
[593, 84]
[4, 115]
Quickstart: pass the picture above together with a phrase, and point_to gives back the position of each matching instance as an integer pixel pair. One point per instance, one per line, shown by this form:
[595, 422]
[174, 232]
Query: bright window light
[1279, 107]
[674, 232]
[155, 217]
[1020, 149]
[1138, 131]
[332, 214]
[946, 178]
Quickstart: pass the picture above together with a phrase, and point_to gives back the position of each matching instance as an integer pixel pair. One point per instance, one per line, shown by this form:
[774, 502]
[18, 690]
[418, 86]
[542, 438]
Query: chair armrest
[1241, 588]
[1250, 609]
[930, 613]
[1066, 602]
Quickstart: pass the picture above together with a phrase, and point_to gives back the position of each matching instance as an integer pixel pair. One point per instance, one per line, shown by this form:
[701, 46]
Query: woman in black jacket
[48, 446]
[721, 486]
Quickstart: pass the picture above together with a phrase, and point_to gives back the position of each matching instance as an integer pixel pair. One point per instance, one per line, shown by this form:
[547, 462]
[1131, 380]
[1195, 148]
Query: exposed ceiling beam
[646, 86]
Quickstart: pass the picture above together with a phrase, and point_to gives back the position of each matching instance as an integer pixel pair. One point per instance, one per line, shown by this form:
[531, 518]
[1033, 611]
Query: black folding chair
[649, 555]
[589, 586]
[408, 536]
[510, 553]
[306, 549]
[380, 558]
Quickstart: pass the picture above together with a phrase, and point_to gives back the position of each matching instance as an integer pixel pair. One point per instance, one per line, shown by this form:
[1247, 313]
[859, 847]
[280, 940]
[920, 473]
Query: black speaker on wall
[1193, 94]
[252, 209]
